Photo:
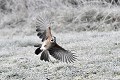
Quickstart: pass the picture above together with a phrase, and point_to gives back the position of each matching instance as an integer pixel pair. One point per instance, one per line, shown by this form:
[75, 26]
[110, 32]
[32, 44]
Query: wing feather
[61, 54]
[42, 23]
[44, 56]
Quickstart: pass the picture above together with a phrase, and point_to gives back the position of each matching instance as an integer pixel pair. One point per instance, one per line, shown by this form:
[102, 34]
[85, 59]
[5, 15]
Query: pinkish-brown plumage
[50, 47]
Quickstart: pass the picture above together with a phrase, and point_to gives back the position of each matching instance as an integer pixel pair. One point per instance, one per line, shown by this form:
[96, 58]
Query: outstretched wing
[42, 23]
[61, 54]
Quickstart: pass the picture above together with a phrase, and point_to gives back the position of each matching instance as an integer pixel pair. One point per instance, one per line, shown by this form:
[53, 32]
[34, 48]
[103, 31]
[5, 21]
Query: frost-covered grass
[89, 29]
[98, 58]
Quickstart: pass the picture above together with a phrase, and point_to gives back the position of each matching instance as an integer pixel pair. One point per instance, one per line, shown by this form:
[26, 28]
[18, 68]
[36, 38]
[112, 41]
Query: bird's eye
[52, 40]
[45, 45]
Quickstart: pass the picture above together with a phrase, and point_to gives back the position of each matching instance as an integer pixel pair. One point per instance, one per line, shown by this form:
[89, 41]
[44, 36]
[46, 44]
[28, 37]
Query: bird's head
[49, 36]
[49, 41]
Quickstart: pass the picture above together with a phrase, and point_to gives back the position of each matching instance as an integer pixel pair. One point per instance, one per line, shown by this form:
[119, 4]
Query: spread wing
[61, 54]
[42, 23]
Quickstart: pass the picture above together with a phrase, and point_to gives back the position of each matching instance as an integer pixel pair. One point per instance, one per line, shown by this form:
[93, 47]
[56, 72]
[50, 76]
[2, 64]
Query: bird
[49, 45]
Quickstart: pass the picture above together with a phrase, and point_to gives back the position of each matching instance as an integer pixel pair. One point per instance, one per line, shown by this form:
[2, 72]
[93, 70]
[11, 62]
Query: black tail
[37, 45]
[37, 51]
[44, 56]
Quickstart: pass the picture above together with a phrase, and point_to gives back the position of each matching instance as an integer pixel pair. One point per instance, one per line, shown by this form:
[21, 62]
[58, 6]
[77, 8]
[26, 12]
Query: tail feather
[37, 45]
[44, 56]
[37, 51]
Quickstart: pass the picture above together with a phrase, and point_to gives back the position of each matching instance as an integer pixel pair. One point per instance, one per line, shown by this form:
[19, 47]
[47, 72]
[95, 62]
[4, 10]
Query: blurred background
[18, 16]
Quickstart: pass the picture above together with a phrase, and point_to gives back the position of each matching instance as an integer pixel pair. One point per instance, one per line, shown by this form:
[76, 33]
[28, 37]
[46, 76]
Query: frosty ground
[98, 57]
[88, 28]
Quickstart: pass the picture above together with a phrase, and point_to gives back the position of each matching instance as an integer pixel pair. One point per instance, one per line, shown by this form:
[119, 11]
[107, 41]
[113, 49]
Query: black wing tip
[38, 29]
[40, 34]
[37, 51]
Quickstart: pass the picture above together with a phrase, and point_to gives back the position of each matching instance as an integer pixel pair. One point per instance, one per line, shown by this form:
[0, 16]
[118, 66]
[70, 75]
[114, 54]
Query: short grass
[98, 58]
[90, 29]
